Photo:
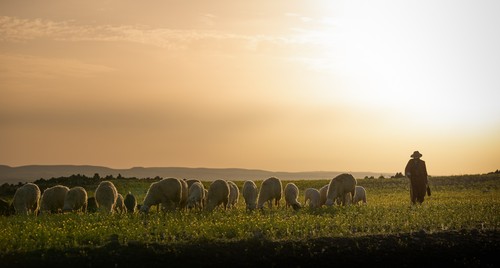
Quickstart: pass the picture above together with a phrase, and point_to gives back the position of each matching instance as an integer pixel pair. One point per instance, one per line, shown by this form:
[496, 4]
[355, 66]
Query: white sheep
[167, 192]
[75, 200]
[196, 196]
[184, 196]
[359, 195]
[52, 200]
[313, 196]
[250, 193]
[218, 194]
[120, 204]
[234, 194]
[338, 188]
[105, 196]
[270, 189]
[130, 202]
[26, 199]
[291, 195]
[322, 195]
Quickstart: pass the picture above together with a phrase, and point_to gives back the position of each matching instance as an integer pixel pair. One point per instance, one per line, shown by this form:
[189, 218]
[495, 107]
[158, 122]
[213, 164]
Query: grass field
[457, 204]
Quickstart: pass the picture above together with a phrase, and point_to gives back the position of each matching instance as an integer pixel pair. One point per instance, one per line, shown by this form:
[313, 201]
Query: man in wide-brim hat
[416, 171]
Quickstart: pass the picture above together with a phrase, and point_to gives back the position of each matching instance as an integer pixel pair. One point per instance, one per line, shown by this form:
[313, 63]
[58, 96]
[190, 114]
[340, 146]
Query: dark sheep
[6, 208]
[130, 203]
[91, 205]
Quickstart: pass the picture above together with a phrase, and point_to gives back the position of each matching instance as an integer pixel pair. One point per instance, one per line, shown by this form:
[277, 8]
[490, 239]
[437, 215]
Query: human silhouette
[416, 171]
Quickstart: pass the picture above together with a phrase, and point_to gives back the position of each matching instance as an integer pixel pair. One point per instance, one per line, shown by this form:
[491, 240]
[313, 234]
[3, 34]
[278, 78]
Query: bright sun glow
[383, 56]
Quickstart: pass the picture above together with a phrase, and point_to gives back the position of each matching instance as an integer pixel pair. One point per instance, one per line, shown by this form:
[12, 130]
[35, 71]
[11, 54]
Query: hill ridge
[30, 173]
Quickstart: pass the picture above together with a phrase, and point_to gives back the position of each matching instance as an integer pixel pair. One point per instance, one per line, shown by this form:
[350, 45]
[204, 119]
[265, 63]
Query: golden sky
[276, 85]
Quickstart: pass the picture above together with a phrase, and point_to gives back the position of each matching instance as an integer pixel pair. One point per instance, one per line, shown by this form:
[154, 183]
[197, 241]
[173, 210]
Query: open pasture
[461, 203]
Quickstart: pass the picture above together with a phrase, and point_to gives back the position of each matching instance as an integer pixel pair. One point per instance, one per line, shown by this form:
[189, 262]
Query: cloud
[321, 21]
[13, 29]
[208, 19]
[15, 66]
[305, 43]
[324, 64]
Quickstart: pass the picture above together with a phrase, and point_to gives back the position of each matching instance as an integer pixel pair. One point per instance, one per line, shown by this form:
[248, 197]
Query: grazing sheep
[359, 195]
[105, 196]
[218, 193]
[322, 195]
[205, 198]
[234, 194]
[130, 203]
[196, 196]
[339, 187]
[249, 192]
[6, 208]
[185, 192]
[291, 195]
[167, 192]
[52, 200]
[270, 189]
[313, 196]
[91, 205]
[75, 200]
[120, 205]
[191, 181]
[26, 199]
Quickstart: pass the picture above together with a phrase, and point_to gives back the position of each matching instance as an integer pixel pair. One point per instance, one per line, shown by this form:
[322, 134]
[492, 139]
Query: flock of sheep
[173, 194]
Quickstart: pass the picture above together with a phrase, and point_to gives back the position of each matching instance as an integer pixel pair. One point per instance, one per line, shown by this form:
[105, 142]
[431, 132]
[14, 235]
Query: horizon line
[227, 168]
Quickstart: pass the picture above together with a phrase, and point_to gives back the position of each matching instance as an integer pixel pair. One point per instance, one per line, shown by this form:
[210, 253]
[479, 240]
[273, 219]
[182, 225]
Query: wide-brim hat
[416, 154]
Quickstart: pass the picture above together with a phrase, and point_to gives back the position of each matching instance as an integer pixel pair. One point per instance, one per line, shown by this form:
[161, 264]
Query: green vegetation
[462, 202]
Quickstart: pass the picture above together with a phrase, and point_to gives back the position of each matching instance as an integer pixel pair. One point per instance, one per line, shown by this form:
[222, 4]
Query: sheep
[270, 189]
[313, 196]
[291, 195]
[105, 196]
[130, 203]
[26, 199]
[75, 200]
[359, 195]
[322, 195]
[191, 181]
[339, 187]
[91, 205]
[120, 205]
[218, 193]
[234, 194]
[6, 208]
[167, 192]
[249, 192]
[205, 198]
[52, 200]
[196, 196]
[185, 192]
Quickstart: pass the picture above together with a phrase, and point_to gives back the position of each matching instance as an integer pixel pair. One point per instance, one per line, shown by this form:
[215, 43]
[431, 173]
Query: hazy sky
[276, 85]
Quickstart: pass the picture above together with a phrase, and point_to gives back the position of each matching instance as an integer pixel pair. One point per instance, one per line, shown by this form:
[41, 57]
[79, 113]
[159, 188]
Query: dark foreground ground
[445, 249]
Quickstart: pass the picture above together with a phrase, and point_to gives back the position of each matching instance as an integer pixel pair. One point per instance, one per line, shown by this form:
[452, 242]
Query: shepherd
[416, 171]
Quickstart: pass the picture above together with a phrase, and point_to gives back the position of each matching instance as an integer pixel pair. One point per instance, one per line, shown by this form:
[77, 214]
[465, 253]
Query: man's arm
[408, 169]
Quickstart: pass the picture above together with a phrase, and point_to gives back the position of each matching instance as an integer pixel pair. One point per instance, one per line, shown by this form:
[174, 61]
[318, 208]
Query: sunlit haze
[275, 85]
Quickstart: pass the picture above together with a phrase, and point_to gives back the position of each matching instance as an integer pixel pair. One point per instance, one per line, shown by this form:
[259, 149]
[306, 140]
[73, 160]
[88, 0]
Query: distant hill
[34, 172]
